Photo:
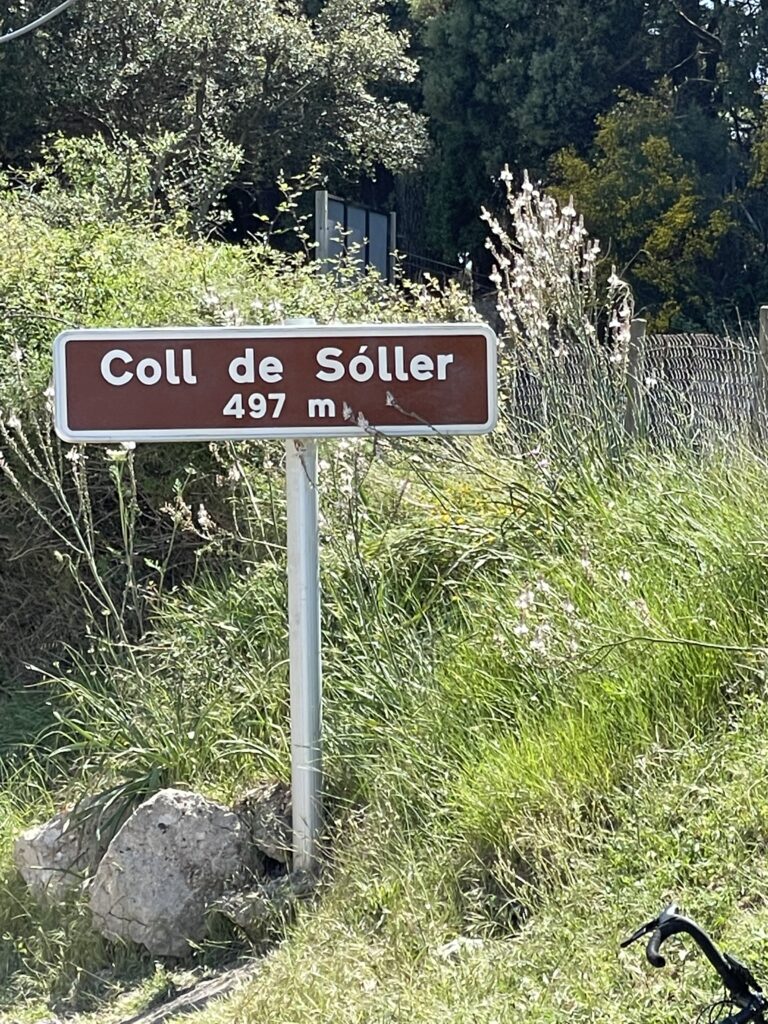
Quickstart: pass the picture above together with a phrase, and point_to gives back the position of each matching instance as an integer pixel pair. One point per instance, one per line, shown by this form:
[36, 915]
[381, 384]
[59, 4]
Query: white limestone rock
[175, 855]
[59, 855]
[265, 811]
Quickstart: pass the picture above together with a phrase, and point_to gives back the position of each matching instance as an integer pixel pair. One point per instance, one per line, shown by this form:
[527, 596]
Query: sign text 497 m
[177, 384]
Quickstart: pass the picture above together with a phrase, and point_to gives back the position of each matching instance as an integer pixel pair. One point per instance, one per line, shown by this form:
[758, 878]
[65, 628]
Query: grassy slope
[543, 698]
[520, 773]
[577, 795]
[692, 825]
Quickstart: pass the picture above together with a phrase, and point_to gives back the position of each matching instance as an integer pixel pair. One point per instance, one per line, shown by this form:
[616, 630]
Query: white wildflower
[210, 298]
[641, 608]
[115, 454]
[540, 642]
[203, 518]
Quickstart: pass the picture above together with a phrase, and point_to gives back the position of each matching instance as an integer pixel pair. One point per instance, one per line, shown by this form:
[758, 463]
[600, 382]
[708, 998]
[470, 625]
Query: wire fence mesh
[693, 389]
[699, 386]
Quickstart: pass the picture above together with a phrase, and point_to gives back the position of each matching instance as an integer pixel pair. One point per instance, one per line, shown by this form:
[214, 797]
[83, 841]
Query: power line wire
[36, 24]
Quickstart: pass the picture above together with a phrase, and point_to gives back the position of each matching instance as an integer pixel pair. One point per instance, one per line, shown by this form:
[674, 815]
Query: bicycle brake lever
[649, 926]
[643, 930]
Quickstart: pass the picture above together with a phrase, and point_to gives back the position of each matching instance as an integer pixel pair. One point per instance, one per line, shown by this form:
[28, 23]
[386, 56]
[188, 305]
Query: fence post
[391, 247]
[633, 414]
[759, 424]
[322, 229]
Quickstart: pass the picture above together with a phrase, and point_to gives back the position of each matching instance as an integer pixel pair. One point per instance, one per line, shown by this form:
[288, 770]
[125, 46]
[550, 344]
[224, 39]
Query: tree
[669, 223]
[249, 88]
[512, 81]
[676, 179]
[25, 78]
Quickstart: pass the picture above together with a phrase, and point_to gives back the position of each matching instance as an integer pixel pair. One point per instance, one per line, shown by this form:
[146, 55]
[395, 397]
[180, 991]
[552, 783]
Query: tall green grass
[544, 683]
[690, 823]
[502, 662]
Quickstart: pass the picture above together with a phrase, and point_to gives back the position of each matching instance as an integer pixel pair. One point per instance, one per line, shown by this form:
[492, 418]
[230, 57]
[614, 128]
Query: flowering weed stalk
[53, 481]
[566, 333]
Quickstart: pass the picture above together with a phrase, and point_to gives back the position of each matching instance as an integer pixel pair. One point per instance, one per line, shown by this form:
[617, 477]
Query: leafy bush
[506, 649]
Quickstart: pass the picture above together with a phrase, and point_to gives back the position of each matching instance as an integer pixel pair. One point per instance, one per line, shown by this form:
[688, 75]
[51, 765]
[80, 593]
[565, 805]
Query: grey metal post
[304, 643]
[322, 228]
[759, 424]
[392, 247]
[304, 648]
[633, 414]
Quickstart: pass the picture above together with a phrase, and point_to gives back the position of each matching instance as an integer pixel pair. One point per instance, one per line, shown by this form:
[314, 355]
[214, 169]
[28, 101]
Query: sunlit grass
[522, 681]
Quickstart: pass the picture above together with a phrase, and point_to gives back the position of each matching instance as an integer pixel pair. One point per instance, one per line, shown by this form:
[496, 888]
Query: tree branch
[703, 33]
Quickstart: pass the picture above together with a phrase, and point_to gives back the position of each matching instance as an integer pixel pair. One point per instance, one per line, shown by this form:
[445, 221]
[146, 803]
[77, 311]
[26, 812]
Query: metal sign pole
[304, 648]
[305, 656]
[322, 229]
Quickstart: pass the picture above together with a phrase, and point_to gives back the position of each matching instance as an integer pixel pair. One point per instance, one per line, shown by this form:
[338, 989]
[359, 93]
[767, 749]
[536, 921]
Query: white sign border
[366, 330]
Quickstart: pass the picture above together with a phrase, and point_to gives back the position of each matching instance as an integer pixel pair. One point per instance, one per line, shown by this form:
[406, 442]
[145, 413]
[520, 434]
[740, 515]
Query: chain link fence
[674, 389]
[698, 387]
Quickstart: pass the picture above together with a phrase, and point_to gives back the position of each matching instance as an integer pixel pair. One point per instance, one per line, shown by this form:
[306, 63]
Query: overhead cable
[36, 24]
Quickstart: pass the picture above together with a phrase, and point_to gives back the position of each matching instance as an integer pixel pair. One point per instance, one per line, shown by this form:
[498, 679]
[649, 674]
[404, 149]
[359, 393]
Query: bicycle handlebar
[652, 953]
[736, 977]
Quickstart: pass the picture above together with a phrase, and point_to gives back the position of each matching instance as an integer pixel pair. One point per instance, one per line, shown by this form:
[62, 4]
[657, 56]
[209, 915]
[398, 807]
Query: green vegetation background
[543, 677]
[652, 114]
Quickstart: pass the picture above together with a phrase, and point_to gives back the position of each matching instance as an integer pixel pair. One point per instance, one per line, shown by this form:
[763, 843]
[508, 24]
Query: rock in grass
[266, 903]
[265, 811]
[176, 854]
[57, 856]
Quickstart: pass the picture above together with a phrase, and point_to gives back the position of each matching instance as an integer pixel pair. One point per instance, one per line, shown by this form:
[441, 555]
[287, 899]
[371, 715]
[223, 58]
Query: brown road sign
[179, 384]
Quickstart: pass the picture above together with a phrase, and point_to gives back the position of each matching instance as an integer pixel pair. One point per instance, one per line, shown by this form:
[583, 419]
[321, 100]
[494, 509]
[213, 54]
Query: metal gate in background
[363, 235]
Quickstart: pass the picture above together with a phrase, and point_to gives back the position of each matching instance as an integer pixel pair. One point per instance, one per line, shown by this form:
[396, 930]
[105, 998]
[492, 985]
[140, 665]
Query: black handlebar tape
[655, 959]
